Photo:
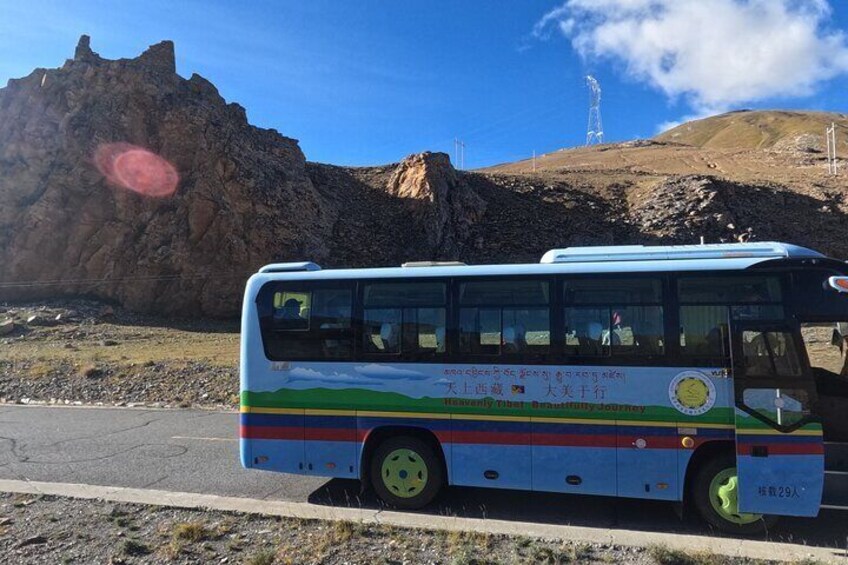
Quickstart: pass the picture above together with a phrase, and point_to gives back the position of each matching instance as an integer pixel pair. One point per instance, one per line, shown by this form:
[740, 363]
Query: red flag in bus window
[616, 318]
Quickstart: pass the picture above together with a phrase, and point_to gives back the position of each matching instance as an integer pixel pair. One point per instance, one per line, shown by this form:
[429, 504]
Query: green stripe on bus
[359, 399]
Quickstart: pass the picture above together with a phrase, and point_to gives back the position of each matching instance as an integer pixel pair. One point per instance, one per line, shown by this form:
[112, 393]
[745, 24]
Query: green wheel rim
[724, 496]
[404, 473]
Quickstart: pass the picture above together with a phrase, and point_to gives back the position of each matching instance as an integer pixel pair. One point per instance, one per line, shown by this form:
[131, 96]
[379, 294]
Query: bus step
[835, 493]
[835, 456]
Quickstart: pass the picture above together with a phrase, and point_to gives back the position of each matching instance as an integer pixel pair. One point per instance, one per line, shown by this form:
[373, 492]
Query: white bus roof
[576, 260]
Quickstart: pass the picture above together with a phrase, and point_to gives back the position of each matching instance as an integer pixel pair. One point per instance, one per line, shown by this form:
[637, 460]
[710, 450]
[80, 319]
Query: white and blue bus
[708, 374]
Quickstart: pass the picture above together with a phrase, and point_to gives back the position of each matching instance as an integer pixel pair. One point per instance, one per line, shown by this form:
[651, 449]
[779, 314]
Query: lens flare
[137, 169]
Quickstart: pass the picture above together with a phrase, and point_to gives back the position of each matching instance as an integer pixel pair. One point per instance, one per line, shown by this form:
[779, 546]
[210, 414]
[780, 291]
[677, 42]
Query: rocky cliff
[122, 180]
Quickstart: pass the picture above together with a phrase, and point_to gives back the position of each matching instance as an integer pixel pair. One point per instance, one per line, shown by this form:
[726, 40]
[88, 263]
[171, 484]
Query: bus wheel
[406, 472]
[715, 491]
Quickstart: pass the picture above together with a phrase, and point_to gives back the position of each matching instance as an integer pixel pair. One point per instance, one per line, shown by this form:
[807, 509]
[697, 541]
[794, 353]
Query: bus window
[707, 304]
[506, 317]
[405, 318]
[424, 329]
[704, 331]
[614, 316]
[291, 310]
[308, 323]
[585, 329]
[729, 290]
[770, 354]
[382, 327]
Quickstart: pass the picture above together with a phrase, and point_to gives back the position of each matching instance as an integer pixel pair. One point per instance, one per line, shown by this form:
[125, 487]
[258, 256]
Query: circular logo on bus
[692, 393]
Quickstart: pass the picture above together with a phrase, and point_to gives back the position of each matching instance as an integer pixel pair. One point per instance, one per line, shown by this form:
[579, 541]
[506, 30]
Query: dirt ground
[46, 529]
[85, 352]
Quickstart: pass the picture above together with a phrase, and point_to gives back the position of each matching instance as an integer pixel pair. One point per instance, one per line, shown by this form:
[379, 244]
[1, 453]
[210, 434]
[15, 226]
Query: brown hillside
[769, 129]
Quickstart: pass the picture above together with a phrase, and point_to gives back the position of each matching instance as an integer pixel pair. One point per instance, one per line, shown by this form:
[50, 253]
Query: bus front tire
[406, 472]
[714, 494]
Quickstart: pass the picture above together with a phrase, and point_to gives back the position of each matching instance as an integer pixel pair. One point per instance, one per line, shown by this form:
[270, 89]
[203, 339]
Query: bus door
[779, 450]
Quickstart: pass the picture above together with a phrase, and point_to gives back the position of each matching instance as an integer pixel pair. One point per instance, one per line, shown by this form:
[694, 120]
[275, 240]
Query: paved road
[196, 451]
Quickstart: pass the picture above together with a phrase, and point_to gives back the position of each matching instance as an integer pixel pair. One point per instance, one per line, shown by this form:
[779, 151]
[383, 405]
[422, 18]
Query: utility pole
[595, 130]
[459, 153]
[534, 160]
[830, 133]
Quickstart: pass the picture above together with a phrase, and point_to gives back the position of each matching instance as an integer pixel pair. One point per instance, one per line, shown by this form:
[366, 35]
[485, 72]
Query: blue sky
[368, 82]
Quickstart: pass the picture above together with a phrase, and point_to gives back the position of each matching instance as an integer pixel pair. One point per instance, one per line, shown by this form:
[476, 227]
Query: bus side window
[613, 316]
[704, 331]
[405, 318]
[707, 304]
[309, 323]
[504, 317]
[291, 310]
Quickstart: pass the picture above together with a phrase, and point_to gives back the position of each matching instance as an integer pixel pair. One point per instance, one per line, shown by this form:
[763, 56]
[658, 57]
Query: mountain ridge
[245, 196]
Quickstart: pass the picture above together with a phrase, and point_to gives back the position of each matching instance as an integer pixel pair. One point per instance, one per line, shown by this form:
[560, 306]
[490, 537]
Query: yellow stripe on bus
[259, 410]
[779, 433]
[327, 412]
[490, 418]
[549, 420]
[422, 415]
[495, 418]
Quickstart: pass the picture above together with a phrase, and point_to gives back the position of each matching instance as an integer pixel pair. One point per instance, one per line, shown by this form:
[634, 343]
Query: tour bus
[711, 375]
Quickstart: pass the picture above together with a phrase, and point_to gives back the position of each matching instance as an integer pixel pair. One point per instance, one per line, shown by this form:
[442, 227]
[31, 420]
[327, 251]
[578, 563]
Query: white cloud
[716, 54]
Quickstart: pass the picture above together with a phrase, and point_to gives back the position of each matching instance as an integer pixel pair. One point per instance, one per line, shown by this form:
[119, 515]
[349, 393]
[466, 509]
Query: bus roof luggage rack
[290, 267]
[433, 264]
[765, 250]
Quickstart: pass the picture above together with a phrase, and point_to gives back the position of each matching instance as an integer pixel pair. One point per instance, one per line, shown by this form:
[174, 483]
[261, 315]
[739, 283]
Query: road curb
[690, 543]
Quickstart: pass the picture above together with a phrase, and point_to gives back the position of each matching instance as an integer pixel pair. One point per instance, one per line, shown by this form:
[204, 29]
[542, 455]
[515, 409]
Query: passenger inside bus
[514, 340]
[440, 334]
[389, 336]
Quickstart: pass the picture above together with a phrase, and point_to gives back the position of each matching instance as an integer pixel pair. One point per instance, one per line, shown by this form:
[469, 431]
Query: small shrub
[134, 547]
[662, 555]
[262, 557]
[190, 531]
[343, 531]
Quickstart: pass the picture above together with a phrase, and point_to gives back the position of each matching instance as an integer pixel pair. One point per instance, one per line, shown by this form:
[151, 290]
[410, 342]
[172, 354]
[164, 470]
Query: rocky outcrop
[444, 208]
[242, 196]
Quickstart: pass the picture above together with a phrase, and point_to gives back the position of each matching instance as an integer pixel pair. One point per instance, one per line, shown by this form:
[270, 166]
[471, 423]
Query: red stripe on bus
[271, 432]
[329, 434]
[651, 442]
[574, 440]
[444, 436]
[502, 438]
[783, 448]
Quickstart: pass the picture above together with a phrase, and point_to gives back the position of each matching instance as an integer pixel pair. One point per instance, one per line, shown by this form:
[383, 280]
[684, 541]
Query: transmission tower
[595, 131]
[459, 153]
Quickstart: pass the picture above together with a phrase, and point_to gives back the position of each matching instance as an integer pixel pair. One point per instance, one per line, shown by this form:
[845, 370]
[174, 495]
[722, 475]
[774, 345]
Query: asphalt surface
[197, 451]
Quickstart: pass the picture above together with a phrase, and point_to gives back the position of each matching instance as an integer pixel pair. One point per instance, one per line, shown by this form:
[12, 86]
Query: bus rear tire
[406, 472]
[714, 495]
